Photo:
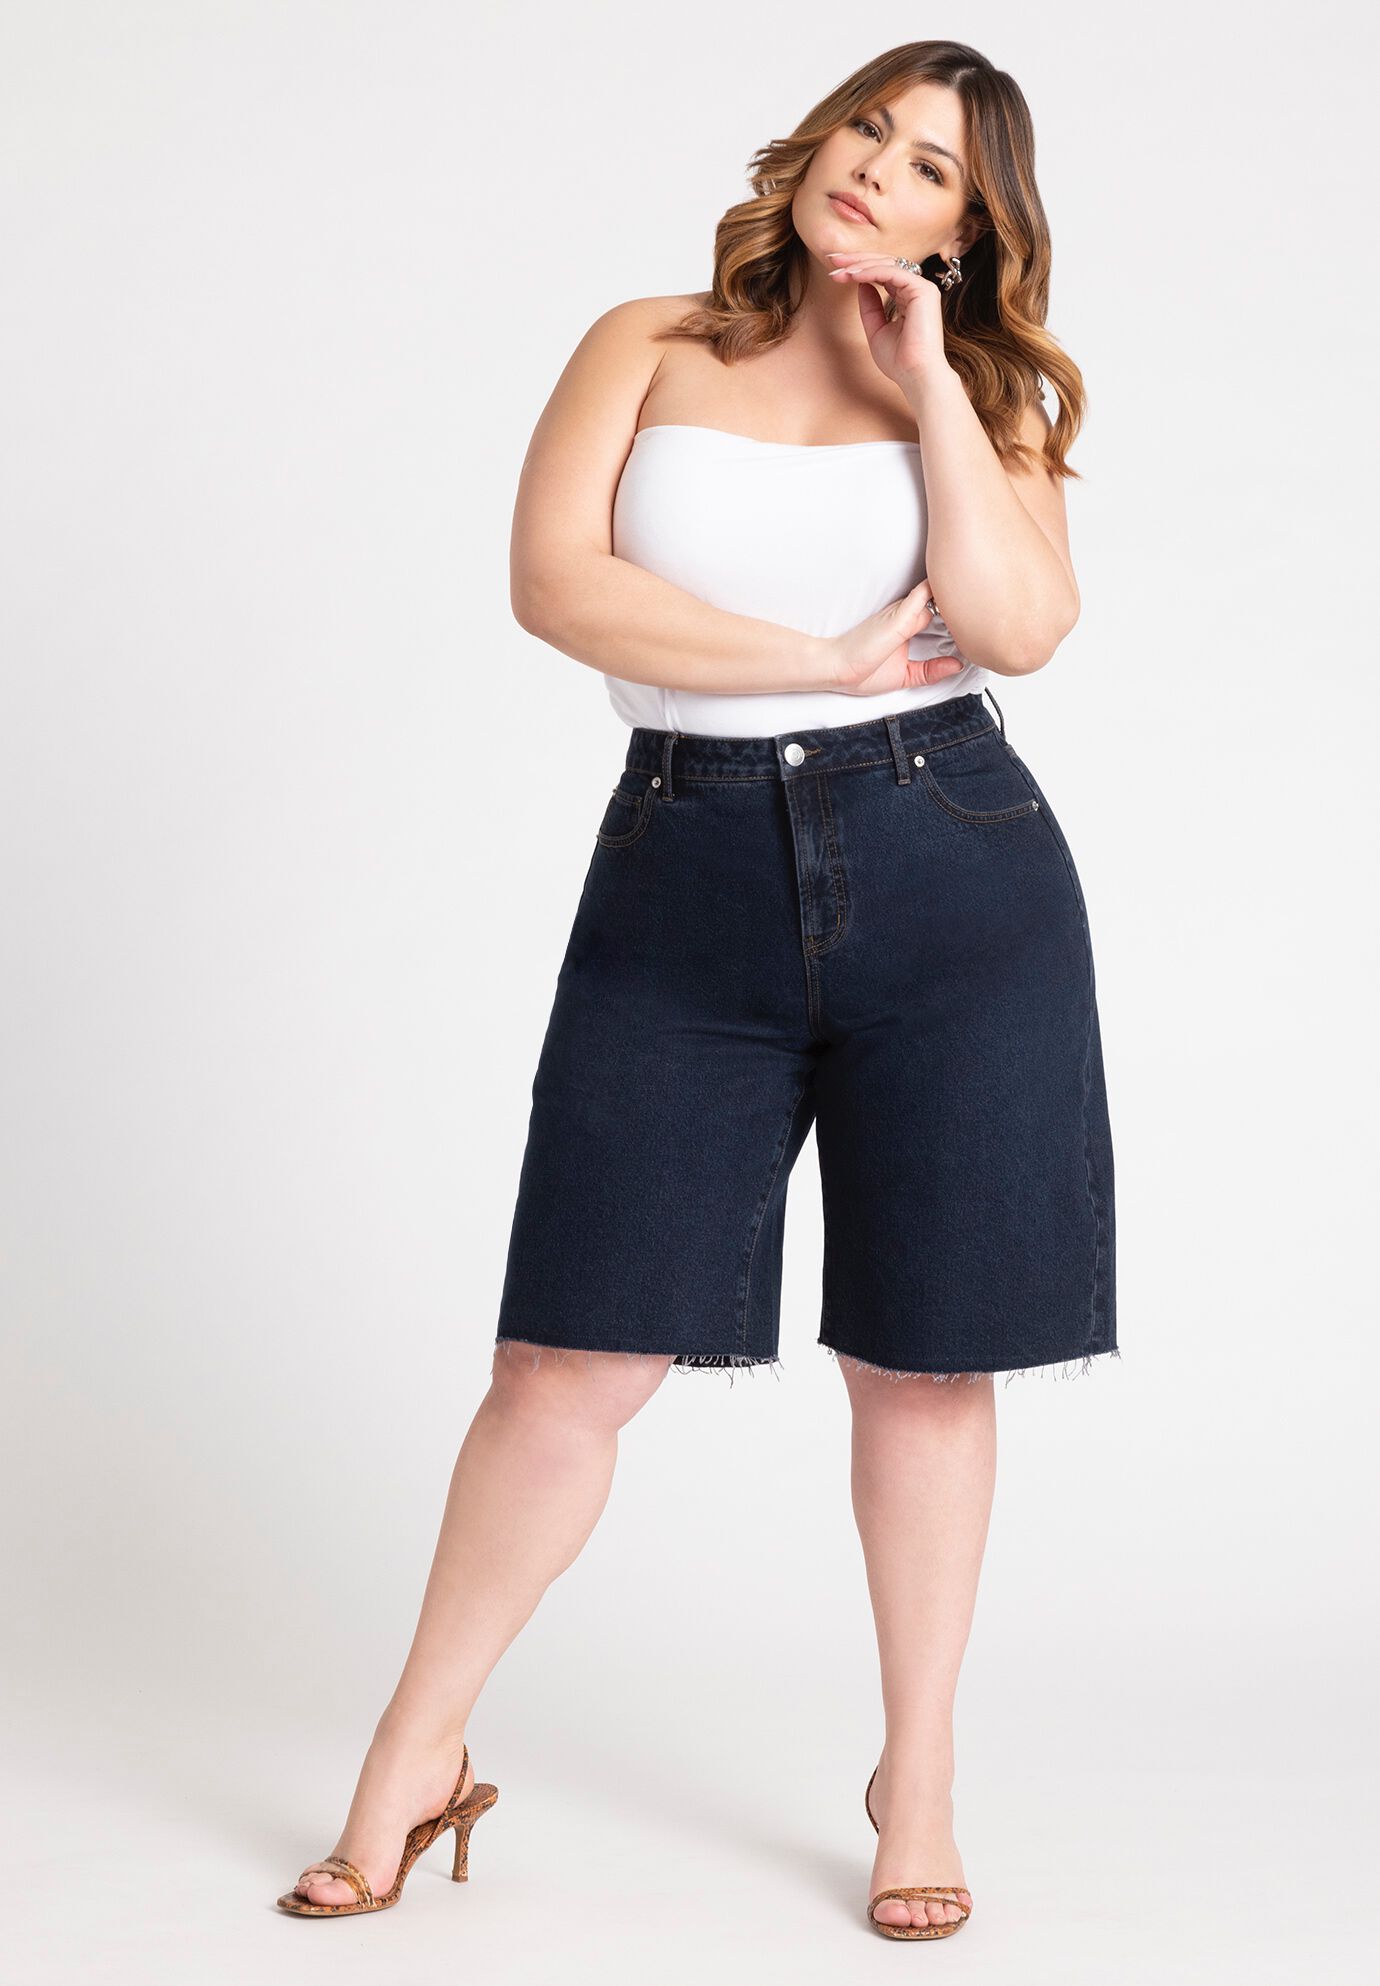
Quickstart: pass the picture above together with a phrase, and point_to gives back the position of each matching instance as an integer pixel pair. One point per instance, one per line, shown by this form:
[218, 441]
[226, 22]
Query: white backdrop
[293, 820]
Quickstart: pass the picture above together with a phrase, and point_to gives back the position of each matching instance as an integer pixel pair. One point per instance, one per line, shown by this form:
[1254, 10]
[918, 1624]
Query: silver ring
[915, 268]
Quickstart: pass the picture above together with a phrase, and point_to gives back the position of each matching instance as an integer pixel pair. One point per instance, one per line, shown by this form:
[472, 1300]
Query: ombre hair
[994, 319]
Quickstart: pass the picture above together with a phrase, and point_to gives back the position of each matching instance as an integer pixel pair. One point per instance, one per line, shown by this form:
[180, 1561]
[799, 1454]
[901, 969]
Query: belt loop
[898, 751]
[997, 707]
[667, 789]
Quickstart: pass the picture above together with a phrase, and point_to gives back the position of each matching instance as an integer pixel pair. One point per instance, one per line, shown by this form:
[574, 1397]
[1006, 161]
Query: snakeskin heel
[457, 1813]
[946, 1892]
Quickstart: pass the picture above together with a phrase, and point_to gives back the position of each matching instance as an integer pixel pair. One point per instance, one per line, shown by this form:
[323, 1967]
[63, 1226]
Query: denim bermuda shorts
[876, 929]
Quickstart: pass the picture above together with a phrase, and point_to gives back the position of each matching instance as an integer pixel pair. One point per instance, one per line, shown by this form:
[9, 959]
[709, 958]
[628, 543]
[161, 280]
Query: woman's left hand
[912, 343]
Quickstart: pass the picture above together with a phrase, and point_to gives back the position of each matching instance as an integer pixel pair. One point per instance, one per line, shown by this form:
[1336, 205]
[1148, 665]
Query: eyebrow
[921, 144]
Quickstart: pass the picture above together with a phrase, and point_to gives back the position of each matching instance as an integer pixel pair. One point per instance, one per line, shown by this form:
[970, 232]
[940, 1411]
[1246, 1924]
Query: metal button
[657, 781]
[919, 758]
[794, 754]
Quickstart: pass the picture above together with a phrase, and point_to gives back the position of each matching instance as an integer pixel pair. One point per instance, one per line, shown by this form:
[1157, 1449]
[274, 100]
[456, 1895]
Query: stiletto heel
[946, 1892]
[474, 1807]
[461, 1814]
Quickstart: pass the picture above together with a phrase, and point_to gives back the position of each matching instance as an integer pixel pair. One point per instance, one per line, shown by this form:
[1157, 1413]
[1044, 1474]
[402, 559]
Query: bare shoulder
[652, 313]
[627, 337]
[648, 315]
[595, 402]
[581, 443]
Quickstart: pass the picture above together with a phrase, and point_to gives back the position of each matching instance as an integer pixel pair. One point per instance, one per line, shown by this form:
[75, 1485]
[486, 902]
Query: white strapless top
[814, 536]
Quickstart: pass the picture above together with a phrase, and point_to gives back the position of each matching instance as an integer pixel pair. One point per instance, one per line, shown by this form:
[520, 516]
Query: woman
[823, 890]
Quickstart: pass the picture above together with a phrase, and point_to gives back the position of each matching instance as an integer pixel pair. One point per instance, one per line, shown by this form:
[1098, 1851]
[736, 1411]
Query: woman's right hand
[872, 657]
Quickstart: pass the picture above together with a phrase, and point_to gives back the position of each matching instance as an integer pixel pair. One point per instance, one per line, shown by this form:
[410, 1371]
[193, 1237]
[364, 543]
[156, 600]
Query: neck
[827, 318]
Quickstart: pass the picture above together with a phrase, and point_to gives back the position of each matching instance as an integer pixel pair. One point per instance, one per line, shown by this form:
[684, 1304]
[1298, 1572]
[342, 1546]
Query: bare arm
[998, 550]
[569, 588]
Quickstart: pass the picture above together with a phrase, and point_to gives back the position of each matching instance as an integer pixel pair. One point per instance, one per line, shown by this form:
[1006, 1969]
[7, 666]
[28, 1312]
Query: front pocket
[977, 780]
[628, 812]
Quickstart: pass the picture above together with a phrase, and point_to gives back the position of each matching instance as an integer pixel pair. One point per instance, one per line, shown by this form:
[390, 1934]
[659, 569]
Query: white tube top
[814, 536]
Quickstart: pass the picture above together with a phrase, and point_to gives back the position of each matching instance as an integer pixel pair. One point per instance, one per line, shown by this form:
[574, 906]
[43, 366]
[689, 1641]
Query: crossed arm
[997, 557]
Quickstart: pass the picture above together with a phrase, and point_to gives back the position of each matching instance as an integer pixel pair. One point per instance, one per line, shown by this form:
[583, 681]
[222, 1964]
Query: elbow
[1019, 657]
[544, 597]
[1028, 660]
[530, 602]
[1032, 647]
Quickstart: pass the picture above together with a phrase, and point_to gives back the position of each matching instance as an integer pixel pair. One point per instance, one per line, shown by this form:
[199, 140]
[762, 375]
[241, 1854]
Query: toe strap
[947, 1892]
[332, 1866]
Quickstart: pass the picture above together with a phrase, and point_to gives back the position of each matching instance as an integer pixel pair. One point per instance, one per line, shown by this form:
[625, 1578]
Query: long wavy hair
[994, 320]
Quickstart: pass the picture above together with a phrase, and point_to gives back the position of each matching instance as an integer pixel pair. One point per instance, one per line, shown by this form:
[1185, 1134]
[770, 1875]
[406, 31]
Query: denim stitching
[805, 883]
[826, 1278]
[812, 944]
[1093, 1209]
[814, 992]
[781, 1144]
[940, 744]
[836, 867]
[943, 744]
[644, 822]
[1001, 814]
[963, 813]
[713, 738]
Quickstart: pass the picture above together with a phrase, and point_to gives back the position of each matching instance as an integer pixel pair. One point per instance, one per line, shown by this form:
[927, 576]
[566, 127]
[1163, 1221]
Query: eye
[866, 124]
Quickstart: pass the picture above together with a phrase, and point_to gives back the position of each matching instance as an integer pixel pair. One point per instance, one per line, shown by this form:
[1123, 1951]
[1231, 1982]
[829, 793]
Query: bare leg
[923, 1473]
[529, 1484]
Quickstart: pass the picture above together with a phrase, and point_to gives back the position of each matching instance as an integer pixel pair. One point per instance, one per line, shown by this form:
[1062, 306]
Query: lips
[855, 209]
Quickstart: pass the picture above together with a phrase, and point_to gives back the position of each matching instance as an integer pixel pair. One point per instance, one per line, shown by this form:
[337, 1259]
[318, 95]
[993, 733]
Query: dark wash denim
[875, 928]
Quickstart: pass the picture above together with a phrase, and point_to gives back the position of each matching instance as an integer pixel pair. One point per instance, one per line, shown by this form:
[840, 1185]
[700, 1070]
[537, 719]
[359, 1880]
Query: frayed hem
[728, 1362]
[1008, 1373]
[734, 1363]
[683, 1362]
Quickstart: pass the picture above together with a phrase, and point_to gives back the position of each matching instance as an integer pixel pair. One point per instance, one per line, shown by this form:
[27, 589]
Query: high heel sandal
[946, 1892]
[457, 1813]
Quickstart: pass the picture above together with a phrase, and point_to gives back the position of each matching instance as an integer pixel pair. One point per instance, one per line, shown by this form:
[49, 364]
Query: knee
[885, 1391]
[598, 1389]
